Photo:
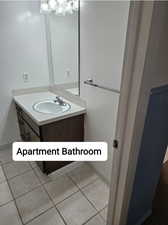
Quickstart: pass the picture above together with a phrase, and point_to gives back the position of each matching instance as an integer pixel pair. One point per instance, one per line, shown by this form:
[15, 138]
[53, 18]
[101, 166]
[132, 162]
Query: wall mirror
[62, 32]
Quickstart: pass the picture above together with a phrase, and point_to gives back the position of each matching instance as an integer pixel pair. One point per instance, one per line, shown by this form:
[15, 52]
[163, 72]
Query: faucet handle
[59, 100]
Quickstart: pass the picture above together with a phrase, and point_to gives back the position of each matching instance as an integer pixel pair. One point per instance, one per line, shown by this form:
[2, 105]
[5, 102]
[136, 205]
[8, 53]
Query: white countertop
[74, 91]
[28, 100]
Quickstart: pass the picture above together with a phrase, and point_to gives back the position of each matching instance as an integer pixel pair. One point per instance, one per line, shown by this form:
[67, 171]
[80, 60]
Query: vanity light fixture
[59, 7]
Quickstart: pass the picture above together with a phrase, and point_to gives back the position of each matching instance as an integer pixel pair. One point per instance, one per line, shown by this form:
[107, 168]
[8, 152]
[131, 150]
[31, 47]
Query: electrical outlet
[25, 77]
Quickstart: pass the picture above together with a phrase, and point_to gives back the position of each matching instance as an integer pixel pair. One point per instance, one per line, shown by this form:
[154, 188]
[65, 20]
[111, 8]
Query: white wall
[22, 49]
[64, 42]
[103, 32]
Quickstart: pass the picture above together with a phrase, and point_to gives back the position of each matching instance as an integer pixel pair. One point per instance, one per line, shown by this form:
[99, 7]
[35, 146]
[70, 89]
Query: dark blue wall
[151, 155]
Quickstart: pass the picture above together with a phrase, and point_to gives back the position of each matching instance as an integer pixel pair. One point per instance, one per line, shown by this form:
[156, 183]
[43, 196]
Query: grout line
[92, 218]
[60, 202]
[43, 186]
[97, 212]
[38, 186]
[31, 164]
[5, 163]
[80, 188]
[20, 196]
[54, 205]
[14, 200]
[29, 221]
[64, 221]
[67, 197]
[42, 183]
[15, 175]
[91, 182]
[20, 174]
[6, 203]
[85, 195]
[101, 211]
[45, 182]
[91, 202]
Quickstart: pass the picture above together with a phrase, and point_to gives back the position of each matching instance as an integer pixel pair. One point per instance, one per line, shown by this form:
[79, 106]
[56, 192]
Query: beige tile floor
[27, 196]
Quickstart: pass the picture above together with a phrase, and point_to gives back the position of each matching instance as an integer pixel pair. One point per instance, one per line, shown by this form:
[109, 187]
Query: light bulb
[75, 4]
[60, 6]
[60, 10]
[68, 6]
[52, 4]
[61, 1]
[44, 7]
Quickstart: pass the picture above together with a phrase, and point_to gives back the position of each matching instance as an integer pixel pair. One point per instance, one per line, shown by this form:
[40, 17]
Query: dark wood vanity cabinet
[70, 129]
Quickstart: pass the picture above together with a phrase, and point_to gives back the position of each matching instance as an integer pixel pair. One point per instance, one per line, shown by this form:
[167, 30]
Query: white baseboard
[69, 167]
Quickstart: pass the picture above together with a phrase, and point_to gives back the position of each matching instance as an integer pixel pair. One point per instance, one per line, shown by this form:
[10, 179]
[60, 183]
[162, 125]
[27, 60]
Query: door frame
[125, 156]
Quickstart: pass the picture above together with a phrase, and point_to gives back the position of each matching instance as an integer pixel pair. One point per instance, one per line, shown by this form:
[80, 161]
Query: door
[145, 67]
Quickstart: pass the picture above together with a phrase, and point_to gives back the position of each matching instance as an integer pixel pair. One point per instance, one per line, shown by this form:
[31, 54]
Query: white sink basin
[51, 107]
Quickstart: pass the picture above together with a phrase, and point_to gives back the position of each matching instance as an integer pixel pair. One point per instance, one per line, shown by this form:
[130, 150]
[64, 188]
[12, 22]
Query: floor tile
[97, 193]
[96, 220]
[2, 176]
[9, 215]
[16, 168]
[60, 188]
[5, 194]
[83, 175]
[33, 204]
[24, 183]
[76, 209]
[42, 177]
[51, 217]
[103, 213]
[5, 156]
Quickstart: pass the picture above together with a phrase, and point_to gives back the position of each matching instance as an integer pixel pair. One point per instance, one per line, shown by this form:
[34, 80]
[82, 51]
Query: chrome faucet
[59, 100]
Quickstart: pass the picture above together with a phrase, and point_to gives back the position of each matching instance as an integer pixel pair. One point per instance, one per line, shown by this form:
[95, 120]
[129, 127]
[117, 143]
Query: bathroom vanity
[36, 126]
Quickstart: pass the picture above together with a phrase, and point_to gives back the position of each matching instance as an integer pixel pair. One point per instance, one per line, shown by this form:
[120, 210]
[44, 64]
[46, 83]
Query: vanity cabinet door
[30, 134]
[22, 128]
[26, 133]
[21, 123]
[29, 131]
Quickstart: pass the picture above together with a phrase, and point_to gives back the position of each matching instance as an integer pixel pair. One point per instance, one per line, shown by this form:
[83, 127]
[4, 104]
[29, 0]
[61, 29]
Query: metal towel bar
[90, 82]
